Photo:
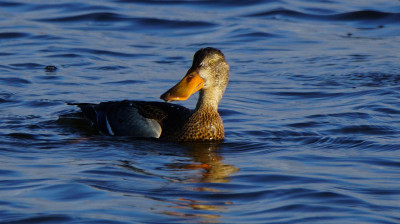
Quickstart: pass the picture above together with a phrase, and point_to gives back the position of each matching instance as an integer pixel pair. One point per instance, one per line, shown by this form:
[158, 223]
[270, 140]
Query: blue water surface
[311, 113]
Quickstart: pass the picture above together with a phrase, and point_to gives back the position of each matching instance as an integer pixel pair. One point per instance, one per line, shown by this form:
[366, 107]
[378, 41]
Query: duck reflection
[212, 170]
[209, 162]
[198, 178]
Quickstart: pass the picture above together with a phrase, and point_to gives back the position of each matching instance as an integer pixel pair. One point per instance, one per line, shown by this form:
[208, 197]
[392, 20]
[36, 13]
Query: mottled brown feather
[181, 124]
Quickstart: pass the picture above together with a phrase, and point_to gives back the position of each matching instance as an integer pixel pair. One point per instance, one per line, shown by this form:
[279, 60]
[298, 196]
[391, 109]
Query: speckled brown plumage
[202, 125]
[181, 124]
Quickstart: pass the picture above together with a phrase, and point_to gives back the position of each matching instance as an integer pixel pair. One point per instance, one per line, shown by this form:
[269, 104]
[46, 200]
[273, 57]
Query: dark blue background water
[312, 113]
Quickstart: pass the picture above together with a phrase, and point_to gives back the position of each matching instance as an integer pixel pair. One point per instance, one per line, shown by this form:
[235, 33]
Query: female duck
[209, 75]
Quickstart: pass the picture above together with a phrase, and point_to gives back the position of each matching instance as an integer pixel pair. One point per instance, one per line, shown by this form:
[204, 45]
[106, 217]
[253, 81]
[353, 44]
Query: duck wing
[134, 118]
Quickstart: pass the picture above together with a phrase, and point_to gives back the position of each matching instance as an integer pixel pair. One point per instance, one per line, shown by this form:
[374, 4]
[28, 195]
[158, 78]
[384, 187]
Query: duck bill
[191, 83]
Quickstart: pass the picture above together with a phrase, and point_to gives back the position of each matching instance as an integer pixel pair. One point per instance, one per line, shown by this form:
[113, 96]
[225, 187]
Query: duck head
[209, 74]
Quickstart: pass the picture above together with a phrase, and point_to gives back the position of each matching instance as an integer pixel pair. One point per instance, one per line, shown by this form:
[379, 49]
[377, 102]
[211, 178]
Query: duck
[208, 75]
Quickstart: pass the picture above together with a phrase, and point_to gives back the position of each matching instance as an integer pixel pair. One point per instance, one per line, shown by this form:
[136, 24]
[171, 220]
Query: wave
[10, 35]
[114, 17]
[227, 3]
[98, 16]
[356, 16]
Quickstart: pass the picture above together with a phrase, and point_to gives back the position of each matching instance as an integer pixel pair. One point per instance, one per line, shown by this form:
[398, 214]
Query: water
[311, 112]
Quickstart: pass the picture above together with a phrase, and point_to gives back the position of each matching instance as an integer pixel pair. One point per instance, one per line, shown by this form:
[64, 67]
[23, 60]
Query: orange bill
[191, 83]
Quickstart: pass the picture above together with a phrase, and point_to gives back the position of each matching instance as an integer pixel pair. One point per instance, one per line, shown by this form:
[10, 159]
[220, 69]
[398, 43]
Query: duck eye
[212, 62]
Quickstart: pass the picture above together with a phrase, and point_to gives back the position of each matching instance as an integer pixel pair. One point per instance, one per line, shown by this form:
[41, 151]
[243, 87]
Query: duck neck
[208, 99]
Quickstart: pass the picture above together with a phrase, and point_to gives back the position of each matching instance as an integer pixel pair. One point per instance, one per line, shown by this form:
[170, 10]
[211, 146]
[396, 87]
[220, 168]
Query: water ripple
[98, 16]
[108, 53]
[15, 81]
[44, 219]
[311, 112]
[146, 22]
[365, 130]
[13, 35]
[365, 16]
